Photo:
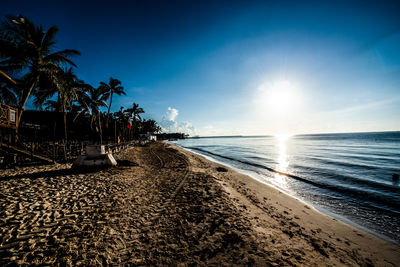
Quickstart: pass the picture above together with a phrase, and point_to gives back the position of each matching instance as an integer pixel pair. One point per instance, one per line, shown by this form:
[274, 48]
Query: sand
[167, 206]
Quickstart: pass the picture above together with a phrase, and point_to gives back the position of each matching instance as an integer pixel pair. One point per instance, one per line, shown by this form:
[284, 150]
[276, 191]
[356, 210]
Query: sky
[238, 67]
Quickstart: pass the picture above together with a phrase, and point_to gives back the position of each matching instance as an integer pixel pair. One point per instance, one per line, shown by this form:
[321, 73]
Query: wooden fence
[8, 116]
[51, 152]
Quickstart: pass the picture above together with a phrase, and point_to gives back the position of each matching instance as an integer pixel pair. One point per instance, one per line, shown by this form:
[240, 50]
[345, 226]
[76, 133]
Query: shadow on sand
[67, 171]
[54, 173]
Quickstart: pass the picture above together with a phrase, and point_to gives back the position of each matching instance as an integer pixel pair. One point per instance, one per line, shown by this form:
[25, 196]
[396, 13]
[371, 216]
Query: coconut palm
[113, 87]
[94, 99]
[28, 49]
[68, 86]
[121, 117]
[134, 113]
[150, 126]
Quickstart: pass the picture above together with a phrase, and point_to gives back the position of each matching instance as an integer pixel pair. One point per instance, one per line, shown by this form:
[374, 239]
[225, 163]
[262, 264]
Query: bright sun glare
[278, 97]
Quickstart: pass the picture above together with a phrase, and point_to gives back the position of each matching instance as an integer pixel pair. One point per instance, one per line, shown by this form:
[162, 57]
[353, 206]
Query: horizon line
[265, 135]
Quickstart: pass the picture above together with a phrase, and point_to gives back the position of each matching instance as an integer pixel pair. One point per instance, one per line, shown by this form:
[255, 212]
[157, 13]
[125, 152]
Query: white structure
[95, 156]
[149, 137]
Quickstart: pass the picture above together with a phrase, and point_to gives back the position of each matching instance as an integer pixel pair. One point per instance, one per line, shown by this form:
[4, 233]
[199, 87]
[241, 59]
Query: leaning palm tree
[28, 49]
[113, 87]
[83, 101]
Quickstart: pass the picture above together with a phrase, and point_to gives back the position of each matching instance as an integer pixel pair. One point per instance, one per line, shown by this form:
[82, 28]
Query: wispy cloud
[365, 106]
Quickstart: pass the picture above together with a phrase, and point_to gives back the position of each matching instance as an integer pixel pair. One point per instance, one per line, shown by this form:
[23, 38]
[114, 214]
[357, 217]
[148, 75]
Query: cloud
[366, 106]
[172, 113]
[170, 125]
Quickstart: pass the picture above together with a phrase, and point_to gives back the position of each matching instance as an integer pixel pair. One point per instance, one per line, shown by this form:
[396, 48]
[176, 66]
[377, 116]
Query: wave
[352, 180]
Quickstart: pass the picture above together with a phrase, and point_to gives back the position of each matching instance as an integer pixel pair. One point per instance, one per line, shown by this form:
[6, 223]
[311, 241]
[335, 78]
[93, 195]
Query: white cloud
[172, 113]
[170, 125]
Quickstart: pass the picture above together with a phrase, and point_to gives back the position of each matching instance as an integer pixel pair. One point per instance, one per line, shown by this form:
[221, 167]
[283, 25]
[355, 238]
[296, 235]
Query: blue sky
[239, 67]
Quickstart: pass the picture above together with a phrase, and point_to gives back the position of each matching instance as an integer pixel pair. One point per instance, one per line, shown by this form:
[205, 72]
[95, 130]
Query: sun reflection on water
[283, 163]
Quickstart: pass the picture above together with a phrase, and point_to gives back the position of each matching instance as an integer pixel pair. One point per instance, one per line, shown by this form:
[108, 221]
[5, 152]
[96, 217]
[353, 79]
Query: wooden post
[16, 127]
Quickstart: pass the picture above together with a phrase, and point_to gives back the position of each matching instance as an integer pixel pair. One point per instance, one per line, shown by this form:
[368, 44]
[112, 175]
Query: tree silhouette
[113, 87]
[28, 49]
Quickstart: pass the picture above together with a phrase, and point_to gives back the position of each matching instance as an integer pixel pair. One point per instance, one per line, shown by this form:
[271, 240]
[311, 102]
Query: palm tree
[113, 87]
[150, 126]
[94, 100]
[83, 101]
[68, 86]
[134, 113]
[122, 118]
[28, 49]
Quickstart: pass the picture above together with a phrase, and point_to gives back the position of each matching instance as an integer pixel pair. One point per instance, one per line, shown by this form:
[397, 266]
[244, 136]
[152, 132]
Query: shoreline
[319, 209]
[168, 206]
[364, 240]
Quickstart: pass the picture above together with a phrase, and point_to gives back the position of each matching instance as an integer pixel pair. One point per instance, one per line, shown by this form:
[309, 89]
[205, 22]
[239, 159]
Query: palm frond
[7, 95]
[58, 59]
[48, 39]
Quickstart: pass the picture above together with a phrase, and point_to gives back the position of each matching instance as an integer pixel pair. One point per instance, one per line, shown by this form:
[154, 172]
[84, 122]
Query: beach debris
[95, 156]
[124, 162]
[221, 169]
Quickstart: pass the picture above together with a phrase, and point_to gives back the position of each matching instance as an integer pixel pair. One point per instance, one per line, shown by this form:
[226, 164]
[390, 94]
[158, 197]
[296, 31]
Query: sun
[278, 98]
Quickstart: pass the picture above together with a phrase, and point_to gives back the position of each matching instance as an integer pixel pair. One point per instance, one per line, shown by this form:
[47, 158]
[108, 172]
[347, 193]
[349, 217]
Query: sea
[345, 175]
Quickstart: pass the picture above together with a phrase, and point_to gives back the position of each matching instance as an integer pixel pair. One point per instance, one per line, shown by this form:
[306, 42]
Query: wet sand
[167, 206]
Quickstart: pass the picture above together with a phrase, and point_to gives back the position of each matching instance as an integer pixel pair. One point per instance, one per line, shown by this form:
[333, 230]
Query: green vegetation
[31, 67]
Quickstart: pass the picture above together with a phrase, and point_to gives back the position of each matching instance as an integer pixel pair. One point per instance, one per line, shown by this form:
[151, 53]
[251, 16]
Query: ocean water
[346, 175]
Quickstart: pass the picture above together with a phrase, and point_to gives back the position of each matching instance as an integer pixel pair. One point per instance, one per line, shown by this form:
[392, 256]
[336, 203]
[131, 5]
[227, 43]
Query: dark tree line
[30, 66]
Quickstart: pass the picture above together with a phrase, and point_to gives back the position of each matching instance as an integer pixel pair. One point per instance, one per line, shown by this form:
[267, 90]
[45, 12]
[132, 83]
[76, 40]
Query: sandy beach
[167, 206]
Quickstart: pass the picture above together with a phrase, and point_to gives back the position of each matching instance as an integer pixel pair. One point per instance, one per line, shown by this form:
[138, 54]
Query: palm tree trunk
[55, 127]
[109, 107]
[65, 132]
[91, 122]
[21, 108]
[101, 132]
[134, 123]
[65, 126]
[23, 102]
